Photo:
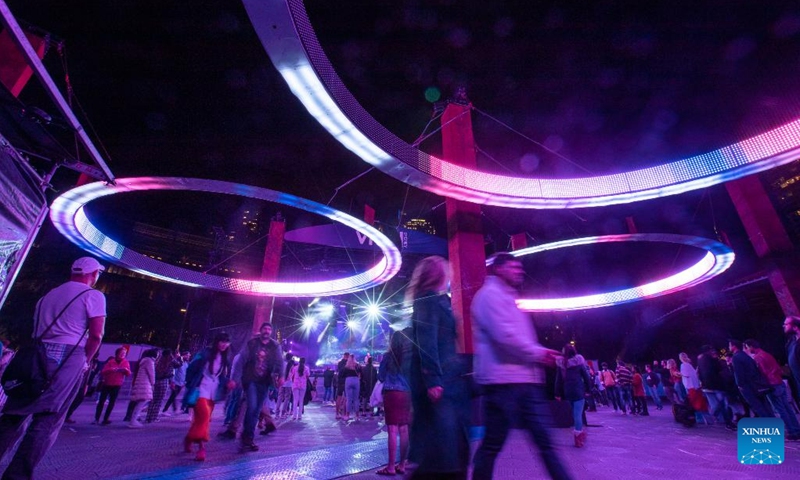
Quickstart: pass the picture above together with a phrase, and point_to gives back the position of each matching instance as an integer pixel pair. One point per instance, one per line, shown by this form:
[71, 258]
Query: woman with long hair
[572, 384]
[351, 373]
[439, 392]
[207, 382]
[678, 392]
[142, 389]
[299, 377]
[285, 388]
[393, 374]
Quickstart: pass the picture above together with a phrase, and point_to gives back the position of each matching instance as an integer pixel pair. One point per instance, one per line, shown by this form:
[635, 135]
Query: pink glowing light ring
[69, 216]
[289, 39]
[717, 259]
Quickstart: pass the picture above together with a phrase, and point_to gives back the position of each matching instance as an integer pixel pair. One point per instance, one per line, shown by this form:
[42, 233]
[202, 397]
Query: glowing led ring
[69, 217]
[289, 39]
[717, 259]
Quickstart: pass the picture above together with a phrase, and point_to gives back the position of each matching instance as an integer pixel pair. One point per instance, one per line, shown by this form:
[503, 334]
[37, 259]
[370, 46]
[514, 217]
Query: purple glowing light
[718, 258]
[69, 216]
[289, 39]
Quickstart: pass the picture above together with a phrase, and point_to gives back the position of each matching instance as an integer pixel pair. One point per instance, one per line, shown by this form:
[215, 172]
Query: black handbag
[26, 377]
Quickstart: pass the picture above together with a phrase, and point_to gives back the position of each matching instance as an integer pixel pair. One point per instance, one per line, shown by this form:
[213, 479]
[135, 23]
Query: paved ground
[319, 447]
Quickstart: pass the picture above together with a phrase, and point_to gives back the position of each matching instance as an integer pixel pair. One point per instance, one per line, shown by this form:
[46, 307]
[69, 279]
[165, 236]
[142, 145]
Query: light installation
[289, 39]
[69, 216]
[717, 259]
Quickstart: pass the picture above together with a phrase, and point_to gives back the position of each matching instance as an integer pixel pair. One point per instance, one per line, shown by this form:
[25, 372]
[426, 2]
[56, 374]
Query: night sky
[188, 90]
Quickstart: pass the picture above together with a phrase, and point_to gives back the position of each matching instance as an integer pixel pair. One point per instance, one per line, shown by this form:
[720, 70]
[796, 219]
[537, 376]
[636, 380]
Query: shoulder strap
[39, 314]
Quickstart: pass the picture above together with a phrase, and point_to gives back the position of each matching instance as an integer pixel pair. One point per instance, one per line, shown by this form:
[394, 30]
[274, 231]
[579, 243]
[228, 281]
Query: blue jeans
[256, 394]
[780, 402]
[577, 413]
[328, 396]
[718, 405]
[232, 406]
[625, 397]
[524, 404]
[351, 388]
[612, 392]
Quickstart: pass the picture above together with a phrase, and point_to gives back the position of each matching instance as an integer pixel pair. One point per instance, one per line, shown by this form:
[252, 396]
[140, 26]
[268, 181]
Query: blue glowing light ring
[717, 259]
[289, 39]
[69, 217]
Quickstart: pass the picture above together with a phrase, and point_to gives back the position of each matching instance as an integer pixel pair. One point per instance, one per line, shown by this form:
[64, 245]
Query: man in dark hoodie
[261, 361]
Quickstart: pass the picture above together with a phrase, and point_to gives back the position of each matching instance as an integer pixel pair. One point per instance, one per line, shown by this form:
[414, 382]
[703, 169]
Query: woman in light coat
[142, 390]
[299, 376]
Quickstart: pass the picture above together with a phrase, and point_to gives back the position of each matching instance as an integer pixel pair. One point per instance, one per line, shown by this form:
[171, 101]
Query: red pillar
[464, 227]
[14, 69]
[769, 239]
[269, 271]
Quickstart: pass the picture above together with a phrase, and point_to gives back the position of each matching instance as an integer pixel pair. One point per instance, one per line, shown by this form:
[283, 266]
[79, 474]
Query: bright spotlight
[352, 324]
[309, 322]
[373, 310]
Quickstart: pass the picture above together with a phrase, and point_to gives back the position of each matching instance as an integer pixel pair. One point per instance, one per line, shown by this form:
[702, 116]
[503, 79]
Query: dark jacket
[194, 374]
[709, 371]
[793, 354]
[434, 361]
[260, 362]
[572, 379]
[748, 376]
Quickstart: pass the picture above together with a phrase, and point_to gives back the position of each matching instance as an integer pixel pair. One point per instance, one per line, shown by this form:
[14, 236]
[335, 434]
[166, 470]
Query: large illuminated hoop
[717, 259]
[69, 217]
[289, 39]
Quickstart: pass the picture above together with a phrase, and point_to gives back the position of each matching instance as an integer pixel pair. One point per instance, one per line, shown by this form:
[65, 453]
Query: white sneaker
[166, 414]
[135, 424]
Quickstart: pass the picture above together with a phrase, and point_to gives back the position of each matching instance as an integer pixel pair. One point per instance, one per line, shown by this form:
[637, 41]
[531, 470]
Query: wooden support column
[464, 228]
[269, 270]
[769, 238]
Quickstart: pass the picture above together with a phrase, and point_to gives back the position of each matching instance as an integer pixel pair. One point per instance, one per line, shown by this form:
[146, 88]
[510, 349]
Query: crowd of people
[422, 388]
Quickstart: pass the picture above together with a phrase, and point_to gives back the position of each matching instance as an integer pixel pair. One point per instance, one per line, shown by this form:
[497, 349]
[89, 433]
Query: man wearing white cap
[70, 319]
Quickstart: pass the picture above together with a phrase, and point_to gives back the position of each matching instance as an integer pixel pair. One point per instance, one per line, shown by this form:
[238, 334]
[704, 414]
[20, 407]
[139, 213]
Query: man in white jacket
[509, 365]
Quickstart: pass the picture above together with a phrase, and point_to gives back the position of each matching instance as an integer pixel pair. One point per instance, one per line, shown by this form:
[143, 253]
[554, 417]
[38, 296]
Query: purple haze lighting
[289, 39]
[69, 216]
[717, 259]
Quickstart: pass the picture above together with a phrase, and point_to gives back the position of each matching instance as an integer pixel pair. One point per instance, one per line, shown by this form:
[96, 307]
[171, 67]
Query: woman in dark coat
[439, 394]
[572, 384]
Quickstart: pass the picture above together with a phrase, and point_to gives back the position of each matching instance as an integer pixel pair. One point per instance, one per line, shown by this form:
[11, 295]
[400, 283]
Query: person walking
[393, 374]
[143, 385]
[165, 371]
[207, 382]
[508, 364]
[114, 372]
[439, 392]
[177, 384]
[261, 364]
[572, 384]
[299, 379]
[69, 320]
